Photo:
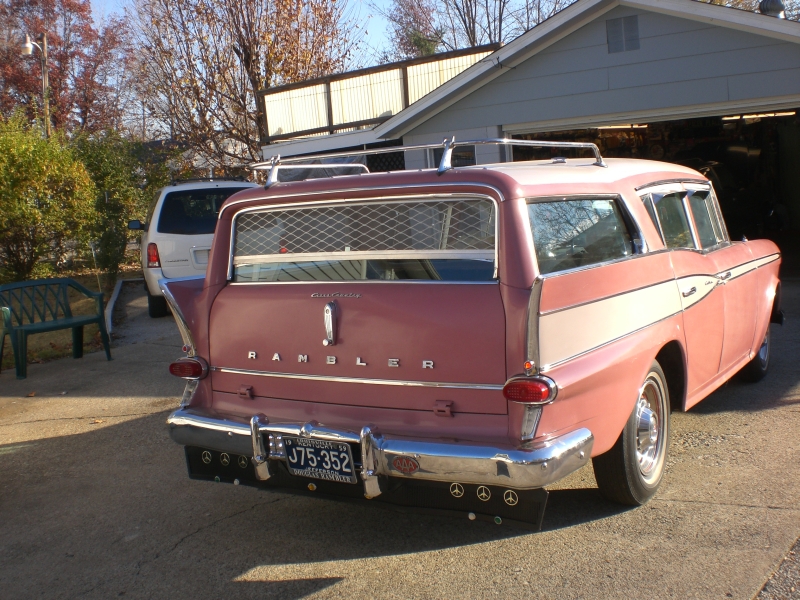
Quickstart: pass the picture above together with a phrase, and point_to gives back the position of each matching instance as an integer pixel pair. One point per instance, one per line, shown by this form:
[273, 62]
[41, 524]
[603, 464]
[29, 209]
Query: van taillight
[152, 256]
[539, 390]
[189, 368]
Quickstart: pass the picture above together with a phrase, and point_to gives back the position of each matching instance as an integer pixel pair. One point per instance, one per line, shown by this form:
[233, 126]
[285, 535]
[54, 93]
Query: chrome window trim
[369, 282]
[681, 181]
[393, 382]
[396, 199]
[610, 262]
[638, 250]
[690, 217]
[484, 255]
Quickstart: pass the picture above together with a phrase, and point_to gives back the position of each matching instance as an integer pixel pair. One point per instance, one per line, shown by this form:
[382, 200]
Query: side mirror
[135, 225]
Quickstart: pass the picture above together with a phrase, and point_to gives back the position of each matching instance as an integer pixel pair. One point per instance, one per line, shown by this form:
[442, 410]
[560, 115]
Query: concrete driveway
[95, 502]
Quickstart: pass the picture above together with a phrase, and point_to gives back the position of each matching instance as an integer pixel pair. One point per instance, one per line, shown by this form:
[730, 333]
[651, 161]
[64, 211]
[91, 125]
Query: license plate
[320, 459]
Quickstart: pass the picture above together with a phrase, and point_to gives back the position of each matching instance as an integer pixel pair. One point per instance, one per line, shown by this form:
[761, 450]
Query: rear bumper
[526, 466]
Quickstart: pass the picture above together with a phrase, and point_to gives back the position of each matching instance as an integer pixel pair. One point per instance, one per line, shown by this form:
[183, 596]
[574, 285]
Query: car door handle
[725, 276]
[689, 292]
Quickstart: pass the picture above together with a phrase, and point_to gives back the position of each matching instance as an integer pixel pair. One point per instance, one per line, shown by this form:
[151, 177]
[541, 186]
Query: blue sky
[374, 41]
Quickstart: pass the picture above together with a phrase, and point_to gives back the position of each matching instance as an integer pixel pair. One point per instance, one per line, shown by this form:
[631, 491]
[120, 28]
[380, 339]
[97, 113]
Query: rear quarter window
[193, 212]
[569, 233]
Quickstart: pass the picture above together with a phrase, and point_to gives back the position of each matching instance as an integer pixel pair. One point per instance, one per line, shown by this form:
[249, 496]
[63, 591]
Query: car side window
[576, 233]
[709, 232]
[671, 219]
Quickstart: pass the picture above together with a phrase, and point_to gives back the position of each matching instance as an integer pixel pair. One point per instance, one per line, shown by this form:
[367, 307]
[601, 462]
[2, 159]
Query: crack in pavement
[209, 525]
[74, 418]
[770, 507]
[142, 563]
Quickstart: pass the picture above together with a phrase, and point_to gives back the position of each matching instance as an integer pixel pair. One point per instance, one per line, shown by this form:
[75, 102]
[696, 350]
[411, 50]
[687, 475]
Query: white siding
[681, 63]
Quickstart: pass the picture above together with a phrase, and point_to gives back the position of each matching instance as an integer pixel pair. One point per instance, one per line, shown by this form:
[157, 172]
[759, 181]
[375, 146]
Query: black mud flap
[495, 504]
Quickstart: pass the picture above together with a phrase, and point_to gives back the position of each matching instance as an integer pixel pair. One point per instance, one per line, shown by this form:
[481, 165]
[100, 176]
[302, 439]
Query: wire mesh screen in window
[392, 161]
[397, 226]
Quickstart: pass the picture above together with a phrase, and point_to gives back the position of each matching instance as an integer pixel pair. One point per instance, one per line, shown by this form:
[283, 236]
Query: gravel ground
[785, 583]
[95, 502]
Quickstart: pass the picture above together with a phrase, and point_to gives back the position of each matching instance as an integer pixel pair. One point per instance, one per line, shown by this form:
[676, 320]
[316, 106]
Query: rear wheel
[757, 368]
[156, 306]
[632, 470]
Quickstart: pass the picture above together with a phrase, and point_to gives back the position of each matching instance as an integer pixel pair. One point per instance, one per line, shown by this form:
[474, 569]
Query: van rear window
[193, 212]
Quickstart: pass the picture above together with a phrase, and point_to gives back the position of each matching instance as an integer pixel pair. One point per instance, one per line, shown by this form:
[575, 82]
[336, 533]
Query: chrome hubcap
[649, 445]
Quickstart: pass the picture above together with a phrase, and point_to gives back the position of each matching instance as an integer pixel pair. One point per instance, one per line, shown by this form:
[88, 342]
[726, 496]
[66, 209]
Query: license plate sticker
[320, 459]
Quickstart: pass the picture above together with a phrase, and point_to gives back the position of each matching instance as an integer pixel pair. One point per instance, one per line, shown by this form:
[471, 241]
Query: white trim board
[660, 114]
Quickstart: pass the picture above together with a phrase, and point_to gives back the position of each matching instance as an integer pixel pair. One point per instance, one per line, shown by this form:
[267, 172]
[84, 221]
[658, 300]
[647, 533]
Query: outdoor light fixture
[27, 50]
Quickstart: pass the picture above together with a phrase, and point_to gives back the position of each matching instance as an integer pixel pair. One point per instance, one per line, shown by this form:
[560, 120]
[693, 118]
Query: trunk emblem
[405, 464]
[330, 324]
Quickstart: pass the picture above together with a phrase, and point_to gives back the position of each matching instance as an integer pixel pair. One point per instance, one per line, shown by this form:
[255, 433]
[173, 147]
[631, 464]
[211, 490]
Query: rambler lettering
[336, 295]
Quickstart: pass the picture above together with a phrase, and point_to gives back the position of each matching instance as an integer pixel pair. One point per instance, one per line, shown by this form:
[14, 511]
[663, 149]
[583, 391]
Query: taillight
[152, 256]
[189, 368]
[533, 390]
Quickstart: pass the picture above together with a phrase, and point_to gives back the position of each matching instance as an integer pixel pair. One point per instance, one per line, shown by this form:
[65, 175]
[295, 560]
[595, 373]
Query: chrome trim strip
[669, 181]
[180, 320]
[746, 267]
[609, 262]
[528, 465]
[532, 346]
[382, 199]
[397, 382]
[305, 257]
[368, 282]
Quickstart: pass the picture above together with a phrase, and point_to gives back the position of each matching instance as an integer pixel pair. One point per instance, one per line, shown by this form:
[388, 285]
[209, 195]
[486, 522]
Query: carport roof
[558, 27]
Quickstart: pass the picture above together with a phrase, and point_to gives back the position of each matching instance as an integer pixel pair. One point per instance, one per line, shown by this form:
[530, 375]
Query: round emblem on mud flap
[405, 464]
[457, 490]
[511, 498]
[206, 456]
[484, 493]
[242, 460]
[224, 459]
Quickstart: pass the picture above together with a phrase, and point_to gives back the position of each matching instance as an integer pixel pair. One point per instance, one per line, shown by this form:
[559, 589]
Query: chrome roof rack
[445, 164]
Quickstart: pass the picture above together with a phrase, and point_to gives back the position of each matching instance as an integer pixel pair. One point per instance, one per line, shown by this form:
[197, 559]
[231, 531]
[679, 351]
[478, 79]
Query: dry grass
[43, 347]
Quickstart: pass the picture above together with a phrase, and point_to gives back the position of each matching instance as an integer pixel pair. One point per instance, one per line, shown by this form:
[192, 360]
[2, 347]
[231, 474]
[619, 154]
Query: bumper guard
[529, 465]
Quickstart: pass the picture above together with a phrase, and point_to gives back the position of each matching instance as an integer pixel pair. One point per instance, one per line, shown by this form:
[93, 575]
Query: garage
[708, 86]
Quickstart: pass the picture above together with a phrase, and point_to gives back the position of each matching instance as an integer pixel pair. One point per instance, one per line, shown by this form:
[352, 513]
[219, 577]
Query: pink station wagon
[457, 339]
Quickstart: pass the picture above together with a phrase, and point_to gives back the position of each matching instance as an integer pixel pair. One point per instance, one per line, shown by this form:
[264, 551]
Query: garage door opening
[752, 159]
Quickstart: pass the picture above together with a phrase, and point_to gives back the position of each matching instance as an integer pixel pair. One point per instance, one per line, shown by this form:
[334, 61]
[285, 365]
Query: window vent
[623, 34]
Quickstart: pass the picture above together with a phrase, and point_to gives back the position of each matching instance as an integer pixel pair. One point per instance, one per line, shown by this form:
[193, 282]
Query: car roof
[581, 170]
[206, 184]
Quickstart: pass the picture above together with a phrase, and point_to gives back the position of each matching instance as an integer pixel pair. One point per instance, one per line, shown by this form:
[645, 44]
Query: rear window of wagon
[413, 239]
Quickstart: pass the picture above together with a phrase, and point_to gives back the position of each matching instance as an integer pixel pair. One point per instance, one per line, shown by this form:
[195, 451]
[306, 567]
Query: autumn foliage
[87, 64]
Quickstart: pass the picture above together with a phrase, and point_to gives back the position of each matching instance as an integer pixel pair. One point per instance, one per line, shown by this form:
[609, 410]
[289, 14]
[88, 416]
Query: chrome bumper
[527, 466]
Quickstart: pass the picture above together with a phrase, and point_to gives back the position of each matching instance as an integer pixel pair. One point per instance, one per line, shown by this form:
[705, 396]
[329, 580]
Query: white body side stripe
[568, 333]
[751, 266]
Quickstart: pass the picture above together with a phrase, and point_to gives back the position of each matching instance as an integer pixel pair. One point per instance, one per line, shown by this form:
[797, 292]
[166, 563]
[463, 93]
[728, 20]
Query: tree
[87, 66]
[413, 30]
[46, 198]
[202, 63]
[124, 182]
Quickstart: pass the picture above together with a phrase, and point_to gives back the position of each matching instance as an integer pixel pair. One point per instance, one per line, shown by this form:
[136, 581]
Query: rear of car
[399, 337]
[178, 232]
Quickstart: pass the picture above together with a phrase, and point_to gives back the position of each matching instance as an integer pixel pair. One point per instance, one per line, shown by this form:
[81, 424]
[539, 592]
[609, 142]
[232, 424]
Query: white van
[177, 235]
